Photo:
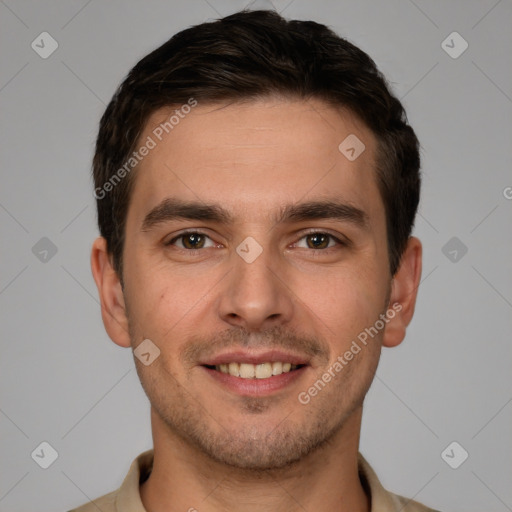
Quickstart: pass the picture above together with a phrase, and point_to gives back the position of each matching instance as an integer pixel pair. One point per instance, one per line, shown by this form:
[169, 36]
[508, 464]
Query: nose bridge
[255, 294]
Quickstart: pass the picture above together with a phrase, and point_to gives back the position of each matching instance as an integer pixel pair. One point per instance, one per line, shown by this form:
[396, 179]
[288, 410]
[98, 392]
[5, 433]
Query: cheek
[167, 304]
[158, 300]
[346, 302]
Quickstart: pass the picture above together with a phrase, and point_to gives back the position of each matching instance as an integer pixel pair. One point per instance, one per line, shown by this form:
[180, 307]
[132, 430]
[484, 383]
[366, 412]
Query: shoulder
[408, 505]
[381, 499]
[105, 503]
[127, 496]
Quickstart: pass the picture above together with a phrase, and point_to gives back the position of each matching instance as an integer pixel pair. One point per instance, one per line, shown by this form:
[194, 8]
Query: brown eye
[318, 240]
[191, 240]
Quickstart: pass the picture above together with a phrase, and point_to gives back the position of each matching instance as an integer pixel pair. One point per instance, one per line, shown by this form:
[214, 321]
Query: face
[255, 255]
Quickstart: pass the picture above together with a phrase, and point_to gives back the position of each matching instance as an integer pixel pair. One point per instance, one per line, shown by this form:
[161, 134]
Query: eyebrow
[174, 209]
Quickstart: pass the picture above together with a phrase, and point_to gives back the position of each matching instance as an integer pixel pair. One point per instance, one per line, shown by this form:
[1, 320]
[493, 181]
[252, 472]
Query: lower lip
[256, 387]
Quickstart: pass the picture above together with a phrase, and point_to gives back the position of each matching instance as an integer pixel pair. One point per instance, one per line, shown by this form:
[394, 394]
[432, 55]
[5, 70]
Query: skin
[216, 449]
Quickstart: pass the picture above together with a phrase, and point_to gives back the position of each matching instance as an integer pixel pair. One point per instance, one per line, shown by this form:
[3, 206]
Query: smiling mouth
[255, 371]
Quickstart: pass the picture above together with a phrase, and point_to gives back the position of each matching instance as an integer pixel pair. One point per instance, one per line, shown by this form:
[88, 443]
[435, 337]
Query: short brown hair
[250, 55]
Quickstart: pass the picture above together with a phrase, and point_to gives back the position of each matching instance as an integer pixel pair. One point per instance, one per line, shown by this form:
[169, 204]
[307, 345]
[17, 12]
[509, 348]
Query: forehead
[257, 155]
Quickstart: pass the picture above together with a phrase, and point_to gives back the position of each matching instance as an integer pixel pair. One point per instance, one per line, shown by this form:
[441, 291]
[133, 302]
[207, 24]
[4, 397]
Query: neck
[183, 478]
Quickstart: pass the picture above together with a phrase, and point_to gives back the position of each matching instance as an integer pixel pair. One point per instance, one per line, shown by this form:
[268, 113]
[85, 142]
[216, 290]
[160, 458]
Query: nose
[256, 295]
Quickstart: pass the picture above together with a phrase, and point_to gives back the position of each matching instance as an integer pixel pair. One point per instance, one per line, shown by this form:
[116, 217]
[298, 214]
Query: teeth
[277, 368]
[234, 369]
[264, 371]
[258, 371]
[247, 371]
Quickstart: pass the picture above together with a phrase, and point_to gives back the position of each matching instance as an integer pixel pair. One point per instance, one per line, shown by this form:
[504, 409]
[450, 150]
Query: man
[256, 185]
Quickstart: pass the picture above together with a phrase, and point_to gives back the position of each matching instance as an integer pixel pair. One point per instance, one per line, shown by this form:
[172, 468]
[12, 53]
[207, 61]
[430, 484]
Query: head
[297, 241]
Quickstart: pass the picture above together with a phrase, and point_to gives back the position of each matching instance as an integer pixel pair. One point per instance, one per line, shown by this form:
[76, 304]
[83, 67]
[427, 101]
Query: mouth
[255, 371]
[250, 374]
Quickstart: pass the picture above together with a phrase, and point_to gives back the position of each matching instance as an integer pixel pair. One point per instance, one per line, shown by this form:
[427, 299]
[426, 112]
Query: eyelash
[312, 232]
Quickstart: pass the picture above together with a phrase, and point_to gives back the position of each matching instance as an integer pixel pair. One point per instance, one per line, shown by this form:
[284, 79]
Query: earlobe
[113, 310]
[404, 290]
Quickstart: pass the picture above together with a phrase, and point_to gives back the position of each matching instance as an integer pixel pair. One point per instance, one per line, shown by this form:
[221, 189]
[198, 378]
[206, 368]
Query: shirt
[127, 497]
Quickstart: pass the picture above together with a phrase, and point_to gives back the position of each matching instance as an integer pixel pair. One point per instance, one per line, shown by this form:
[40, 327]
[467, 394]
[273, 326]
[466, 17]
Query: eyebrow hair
[326, 209]
[173, 208]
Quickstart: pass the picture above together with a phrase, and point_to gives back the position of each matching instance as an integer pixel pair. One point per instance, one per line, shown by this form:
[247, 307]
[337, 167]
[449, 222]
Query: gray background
[64, 382]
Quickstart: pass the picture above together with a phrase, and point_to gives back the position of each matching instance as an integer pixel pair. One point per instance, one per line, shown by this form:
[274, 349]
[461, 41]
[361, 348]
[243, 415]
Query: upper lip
[240, 356]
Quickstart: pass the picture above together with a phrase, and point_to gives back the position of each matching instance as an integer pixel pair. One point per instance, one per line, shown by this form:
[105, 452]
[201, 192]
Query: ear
[113, 309]
[404, 290]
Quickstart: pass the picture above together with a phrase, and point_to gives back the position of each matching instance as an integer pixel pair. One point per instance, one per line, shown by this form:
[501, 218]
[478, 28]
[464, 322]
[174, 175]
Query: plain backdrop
[64, 382]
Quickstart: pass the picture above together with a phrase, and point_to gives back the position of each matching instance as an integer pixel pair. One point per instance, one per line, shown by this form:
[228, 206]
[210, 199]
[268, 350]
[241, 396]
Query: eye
[319, 240]
[191, 240]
